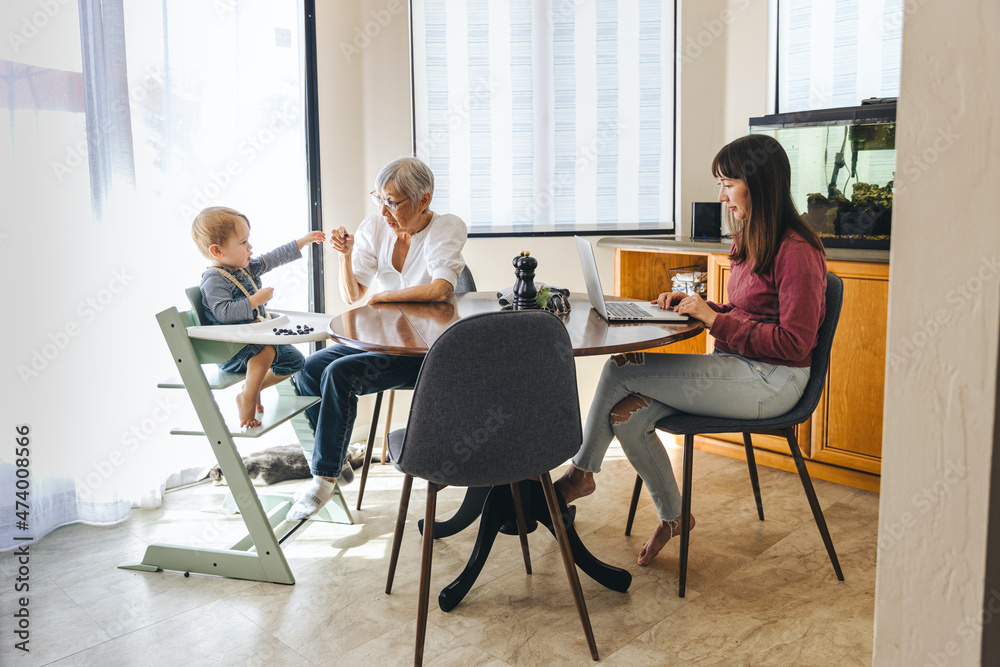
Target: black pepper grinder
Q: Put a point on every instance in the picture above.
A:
(524, 287)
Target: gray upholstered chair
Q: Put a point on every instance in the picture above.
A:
(466, 283)
(495, 403)
(691, 425)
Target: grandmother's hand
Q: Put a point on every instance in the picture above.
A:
(341, 241)
(379, 297)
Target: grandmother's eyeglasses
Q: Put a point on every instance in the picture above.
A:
(389, 204)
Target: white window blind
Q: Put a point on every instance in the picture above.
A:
(547, 116)
(835, 53)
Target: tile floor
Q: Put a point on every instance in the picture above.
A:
(758, 593)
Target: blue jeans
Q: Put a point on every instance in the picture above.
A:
(287, 359)
(338, 375)
(713, 385)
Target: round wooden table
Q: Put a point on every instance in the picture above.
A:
(409, 329)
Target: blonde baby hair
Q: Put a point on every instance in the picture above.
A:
(213, 226)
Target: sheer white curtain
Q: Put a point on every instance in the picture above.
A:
(835, 53)
(56, 294)
(547, 115)
(213, 104)
(105, 85)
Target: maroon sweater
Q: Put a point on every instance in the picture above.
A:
(775, 317)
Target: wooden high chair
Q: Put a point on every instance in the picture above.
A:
(258, 555)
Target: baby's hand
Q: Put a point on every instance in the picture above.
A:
(261, 296)
(311, 237)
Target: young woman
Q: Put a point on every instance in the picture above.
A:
(764, 337)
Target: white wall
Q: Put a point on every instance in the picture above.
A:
(723, 66)
(342, 174)
(944, 310)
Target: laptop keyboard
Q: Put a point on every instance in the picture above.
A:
(625, 309)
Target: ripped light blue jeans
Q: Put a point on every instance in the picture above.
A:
(714, 385)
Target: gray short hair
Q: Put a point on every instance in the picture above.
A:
(411, 177)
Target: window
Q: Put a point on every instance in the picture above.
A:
(547, 117)
(835, 53)
(184, 105)
(217, 92)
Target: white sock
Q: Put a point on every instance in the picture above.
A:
(309, 501)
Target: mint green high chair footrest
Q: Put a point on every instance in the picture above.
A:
(277, 410)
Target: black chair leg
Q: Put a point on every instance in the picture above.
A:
(813, 501)
(752, 466)
(397, 537)
(686, 511)
(425, 573)
(522, 526)
(635, 503)
(562, 537)
(370, 448)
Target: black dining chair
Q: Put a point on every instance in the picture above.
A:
(466, 283)
(495, 403)
(691, 425)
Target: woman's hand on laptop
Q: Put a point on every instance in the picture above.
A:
(669, 300)
(695, 307)
(691, 305)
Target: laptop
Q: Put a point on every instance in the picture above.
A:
(617, 311)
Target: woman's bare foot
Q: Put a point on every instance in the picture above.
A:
(575, 484)
(248, 409)
(659, 539)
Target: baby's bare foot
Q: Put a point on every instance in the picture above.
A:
(664, 531)
(247, 406)
(260, 406)
(575, 484)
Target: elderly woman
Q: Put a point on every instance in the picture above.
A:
(413, 254)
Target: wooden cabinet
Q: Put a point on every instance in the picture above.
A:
(847, 429)
(843, 440)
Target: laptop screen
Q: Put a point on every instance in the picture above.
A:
(589, 265)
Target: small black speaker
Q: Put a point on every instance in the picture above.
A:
(706, 221)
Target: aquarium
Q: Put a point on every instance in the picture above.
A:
(843, 163)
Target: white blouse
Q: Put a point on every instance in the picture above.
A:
(435, 252)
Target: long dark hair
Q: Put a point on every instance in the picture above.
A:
(761, 163)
